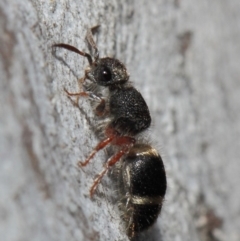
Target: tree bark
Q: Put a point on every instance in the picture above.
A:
(183, 57)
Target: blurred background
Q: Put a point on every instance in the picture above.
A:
(184, 58)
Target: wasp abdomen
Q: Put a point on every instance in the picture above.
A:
(143, 181)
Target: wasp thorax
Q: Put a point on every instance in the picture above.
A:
(108, 71)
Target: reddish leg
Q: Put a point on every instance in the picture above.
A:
(110, 133)
(127, 142)
(110, 163)
(81, 81)
(101, 108)
(112, 137)
(78, 95)
(100, 146)
(85, 94)
(123, 141)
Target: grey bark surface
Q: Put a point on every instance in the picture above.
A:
(183, 56)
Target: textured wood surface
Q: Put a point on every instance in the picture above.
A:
(183, 56)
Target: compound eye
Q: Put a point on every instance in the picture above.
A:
(106, 75)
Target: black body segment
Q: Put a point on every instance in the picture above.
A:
(147, 175)
(143, 216)
(129, 110)
(143, 182)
